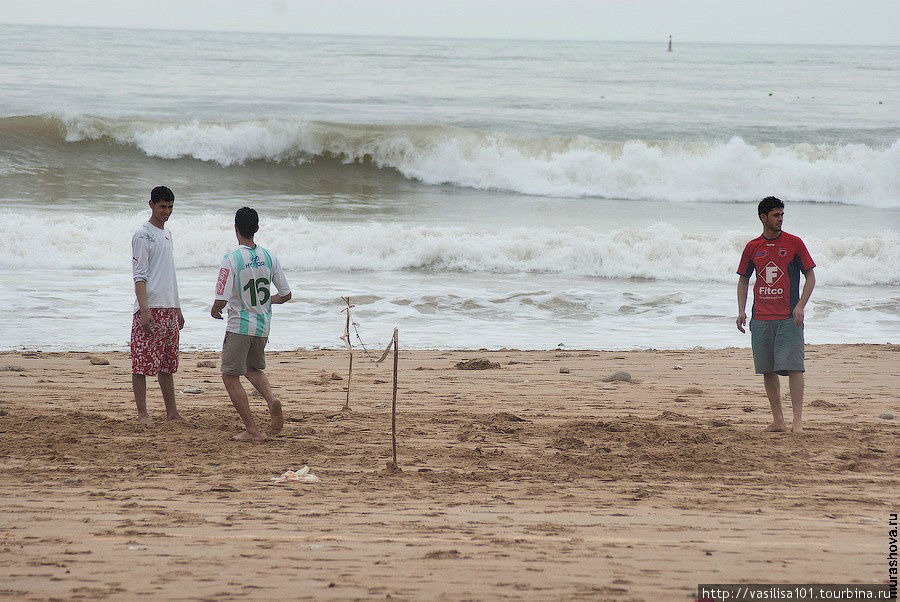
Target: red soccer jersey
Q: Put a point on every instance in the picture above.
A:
(778, 263)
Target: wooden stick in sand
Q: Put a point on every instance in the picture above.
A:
(393, 466)
(346, 339)
(394, 401)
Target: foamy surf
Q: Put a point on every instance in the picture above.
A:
(580, 166)
(659, 251)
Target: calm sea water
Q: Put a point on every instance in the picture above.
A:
(473, 193)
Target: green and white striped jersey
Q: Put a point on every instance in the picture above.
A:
(245, 279)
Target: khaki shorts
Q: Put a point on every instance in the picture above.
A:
(242, 351)
(777, 346)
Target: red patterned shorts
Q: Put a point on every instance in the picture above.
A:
(156, 352)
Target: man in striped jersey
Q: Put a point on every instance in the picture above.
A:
(243, 286)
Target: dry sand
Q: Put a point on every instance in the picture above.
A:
(518, 482)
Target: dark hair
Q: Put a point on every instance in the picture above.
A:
(161, 193)
(247, 221)
(769, 203)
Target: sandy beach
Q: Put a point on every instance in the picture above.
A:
(534, 480)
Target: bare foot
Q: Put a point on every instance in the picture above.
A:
(277, 417)
(776, 427)
(248, 436)
(797, 428)
(145, 419)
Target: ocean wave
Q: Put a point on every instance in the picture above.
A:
(579, 166)
(67, 240)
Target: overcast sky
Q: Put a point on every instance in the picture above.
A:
(753, 21)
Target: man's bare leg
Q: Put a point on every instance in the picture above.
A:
(796, 383)
(139, 385)
(260, 381)
(242, 405)
(773, 391)
(167, 386)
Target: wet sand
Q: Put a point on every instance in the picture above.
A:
(517, 482)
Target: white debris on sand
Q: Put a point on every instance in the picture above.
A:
(302, 475)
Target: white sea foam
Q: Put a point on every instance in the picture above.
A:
(563, 167)
(660, 251)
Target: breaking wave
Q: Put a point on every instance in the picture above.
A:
(66, 240)
(579, 166)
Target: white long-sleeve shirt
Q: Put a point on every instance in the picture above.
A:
(153, 262)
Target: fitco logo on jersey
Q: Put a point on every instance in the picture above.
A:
(771, 274)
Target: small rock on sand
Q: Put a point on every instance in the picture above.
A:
(619, 377)
(505, 417)
(677, 367)
(207, 364)
(692, 391)
(568, 443)
(477, 364)
(192, 390)
(564, 371)
(325, 376)
(13, 368)
(821, 403)
(98, 360)
(443, 555)
(886, 416)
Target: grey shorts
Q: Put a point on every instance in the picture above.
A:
(242, 351)
(777, 346)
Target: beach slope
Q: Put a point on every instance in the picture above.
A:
(540, 479)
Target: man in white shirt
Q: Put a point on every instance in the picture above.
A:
(243, 285)
(157, 317)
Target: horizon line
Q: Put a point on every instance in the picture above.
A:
(662, 40)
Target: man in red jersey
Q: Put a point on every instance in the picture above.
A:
(776, 325)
